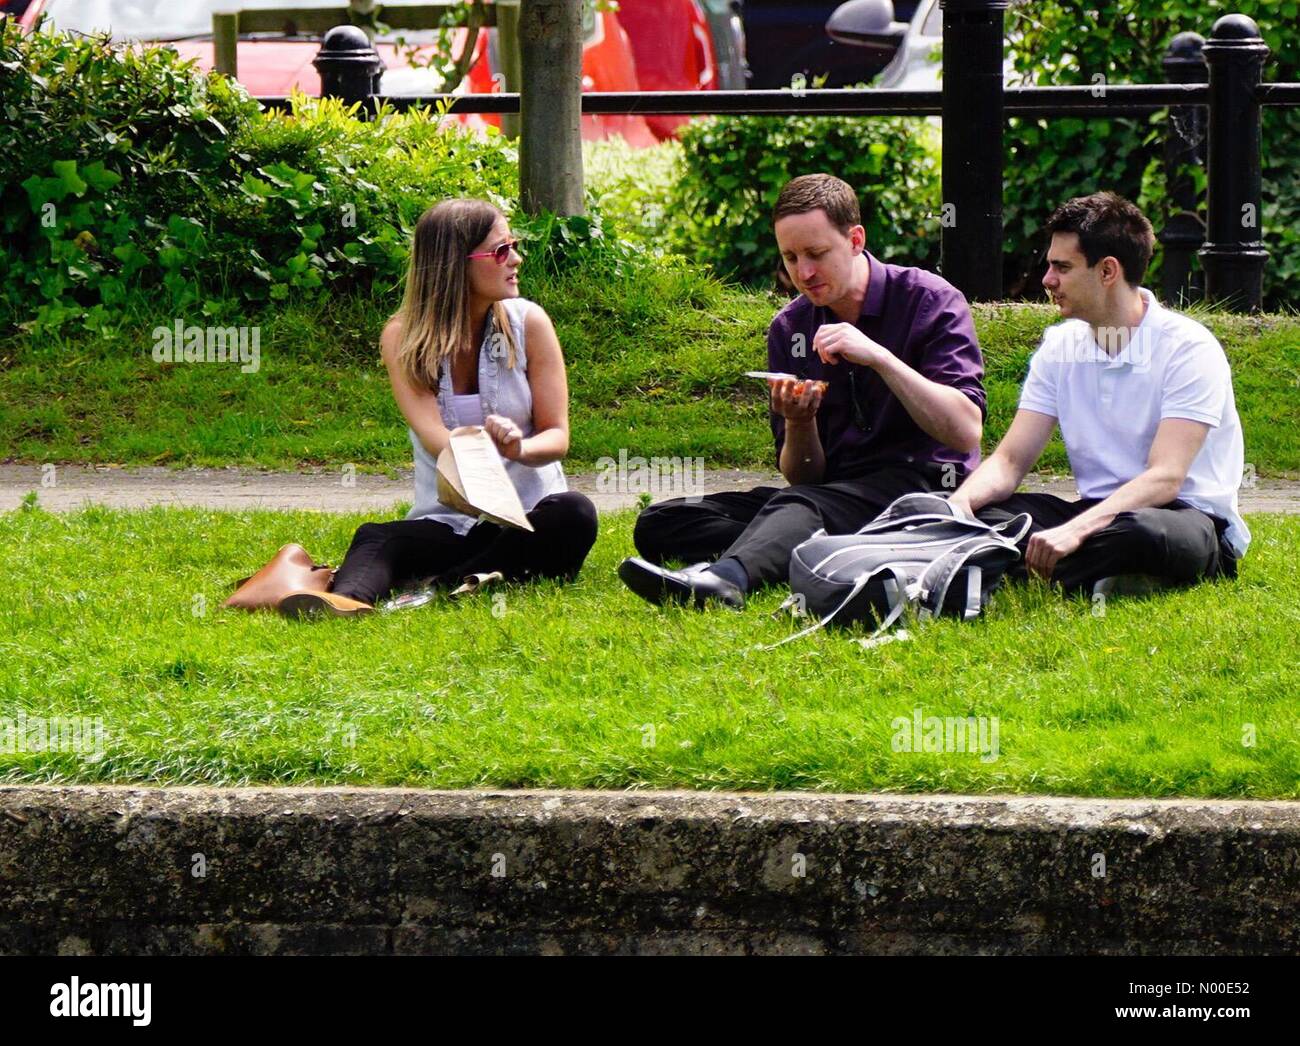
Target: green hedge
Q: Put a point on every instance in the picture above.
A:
(139, 173)
(734, 168)
(132, 178)
(1049, 161)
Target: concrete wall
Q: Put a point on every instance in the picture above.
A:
(115, 871)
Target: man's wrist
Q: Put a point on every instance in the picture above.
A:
(1083, 529)
(881, 360)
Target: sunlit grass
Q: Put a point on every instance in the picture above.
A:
(655, 366)
(117, 615)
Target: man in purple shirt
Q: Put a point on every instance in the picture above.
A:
(889, 399)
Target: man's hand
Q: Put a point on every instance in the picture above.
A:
(843, 341)
(961, 506)
(507, 436)
(1048, 546)
(797, 400)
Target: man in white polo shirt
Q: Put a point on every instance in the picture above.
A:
(1144, 399)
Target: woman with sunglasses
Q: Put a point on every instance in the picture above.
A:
(466, 349)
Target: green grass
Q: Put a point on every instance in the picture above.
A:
(654, 367)
(116, 614)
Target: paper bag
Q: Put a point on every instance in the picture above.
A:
(472, 479)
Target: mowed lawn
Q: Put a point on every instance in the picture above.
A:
(655, 367)
(116, 615)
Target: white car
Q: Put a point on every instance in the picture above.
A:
(917, 63)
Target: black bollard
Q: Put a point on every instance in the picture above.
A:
(349, 66)
(1184, 231)
(973, 123)
(1234, 254)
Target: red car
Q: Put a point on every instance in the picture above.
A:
(658, 45)
(673, 50)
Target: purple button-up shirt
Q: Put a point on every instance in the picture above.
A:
(923, 320)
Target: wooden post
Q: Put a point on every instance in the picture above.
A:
(225, 42)
(550, 106)
(508, 51)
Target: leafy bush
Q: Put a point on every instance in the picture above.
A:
(631, 187)
(734, 168)
(1049, 161)
(328, 198)
(95, 140)
(137, 172)
(557, 244)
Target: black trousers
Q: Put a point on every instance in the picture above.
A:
(761, 527)
(1177, 543)
(385, 556)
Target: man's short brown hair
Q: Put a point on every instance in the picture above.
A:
(825, 192)
(1108, 226)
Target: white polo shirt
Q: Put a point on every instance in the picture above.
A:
(1109, 407)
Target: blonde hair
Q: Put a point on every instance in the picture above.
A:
(435, 307)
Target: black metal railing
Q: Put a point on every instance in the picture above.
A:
(1113, 100)
(1215, 98)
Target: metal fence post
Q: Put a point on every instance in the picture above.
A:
(971, 218)
(1234, 254)
(1184, 231)
(349, 66)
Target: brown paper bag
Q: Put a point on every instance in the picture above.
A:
(472, 479)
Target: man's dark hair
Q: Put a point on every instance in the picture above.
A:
(812, 192)
(1107, 226)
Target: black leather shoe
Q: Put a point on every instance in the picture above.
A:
(691, 585)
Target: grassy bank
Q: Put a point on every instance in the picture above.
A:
(654, 367)
(1186, 693)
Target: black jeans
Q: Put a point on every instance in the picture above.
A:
(761, 527)
(384, 556)
(1177, 543)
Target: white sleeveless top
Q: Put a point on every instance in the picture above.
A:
(501, 390)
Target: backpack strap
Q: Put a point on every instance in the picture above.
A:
(948, 568)
(896, 588)
(918, 503)
(945, 569)
(1020, 524)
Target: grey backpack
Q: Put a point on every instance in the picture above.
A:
(917, 553)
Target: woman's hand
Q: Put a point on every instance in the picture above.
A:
(507, 436)
(797, 400)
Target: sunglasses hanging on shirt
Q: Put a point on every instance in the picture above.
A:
(857, 394)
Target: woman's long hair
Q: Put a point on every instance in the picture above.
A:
(435, 308)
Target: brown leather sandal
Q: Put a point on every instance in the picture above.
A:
(303, 604)
(290, 570)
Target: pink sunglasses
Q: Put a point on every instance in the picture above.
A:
(500, 254)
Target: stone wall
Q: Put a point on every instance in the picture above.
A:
(89, 870)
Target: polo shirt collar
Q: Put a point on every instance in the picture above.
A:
(1137, 352)
(874, 303)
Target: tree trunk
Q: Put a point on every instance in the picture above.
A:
(550, 116)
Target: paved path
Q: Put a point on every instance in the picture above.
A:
(70, 487)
